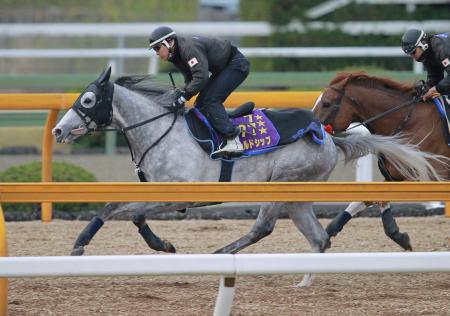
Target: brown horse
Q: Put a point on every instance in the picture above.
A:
(384, 107)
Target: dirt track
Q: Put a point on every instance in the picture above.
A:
(331, 294)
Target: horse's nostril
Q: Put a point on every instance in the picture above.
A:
(56, 131)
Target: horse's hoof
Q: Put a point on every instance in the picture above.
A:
(402, 239)
(169, 247)
(79, 251)
(306, 281)
(325, 245)
(405, 242)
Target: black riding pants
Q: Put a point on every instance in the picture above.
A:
(219, 87)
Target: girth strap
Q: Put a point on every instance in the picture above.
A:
(226, 170)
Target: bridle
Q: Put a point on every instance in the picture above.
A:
(101, 113)
(337, 105)
(89, 115)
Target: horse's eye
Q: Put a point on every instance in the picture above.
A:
(326, 104)
(88, 100)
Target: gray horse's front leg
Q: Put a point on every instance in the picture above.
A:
(93, 227)
(263, 226)
(153, 241)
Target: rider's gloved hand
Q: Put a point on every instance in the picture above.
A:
(179, 101)
(421, 88)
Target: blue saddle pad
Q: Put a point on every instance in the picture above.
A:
(261, 130)
(443, 106)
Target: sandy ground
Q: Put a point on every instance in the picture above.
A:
(331, 294)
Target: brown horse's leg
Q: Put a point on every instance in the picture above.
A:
(338, 223)
(392, 231)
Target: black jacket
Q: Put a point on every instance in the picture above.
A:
(437, 62)
(198, 56)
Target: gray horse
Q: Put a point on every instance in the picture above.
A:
(163, 150)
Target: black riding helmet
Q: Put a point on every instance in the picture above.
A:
(159, 35)
(412, 39)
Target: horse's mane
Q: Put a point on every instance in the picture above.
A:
(362, 79)
(146, 86)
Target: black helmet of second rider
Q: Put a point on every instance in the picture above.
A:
(413, 39)
(162, 35)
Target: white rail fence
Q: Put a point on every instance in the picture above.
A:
(117, 54)
(217, 28)
(226, 265)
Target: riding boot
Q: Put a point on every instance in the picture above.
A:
(336, 225)
(233, 147)
(392, 231)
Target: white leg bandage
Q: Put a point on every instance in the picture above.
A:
(384, 206)
(355, 207)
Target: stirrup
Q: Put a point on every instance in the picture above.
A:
(221, 152)
(227, 154)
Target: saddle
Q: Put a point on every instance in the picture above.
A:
(262, 130)
(443, 106)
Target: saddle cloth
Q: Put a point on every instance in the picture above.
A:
(262, 130)
(443, 105)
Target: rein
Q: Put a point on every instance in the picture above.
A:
(376, 117)
(128, 128)
(385, 113)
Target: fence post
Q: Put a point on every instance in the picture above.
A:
(364, 172)
(225, 296)
(47, 151)
(153, 64)
(3, 253)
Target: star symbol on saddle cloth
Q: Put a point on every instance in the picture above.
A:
(258, 117)
(261, 123)
(263, 130)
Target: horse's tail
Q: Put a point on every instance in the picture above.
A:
(413, 164)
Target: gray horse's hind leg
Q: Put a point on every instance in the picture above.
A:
(263, 226)
(392, 231)
(306, 222)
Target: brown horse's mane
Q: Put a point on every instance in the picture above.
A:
(362, 79)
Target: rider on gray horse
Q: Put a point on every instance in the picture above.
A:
(195, 58)
(434, 52)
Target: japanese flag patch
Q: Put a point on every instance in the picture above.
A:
(192, 62)
(445, 62)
